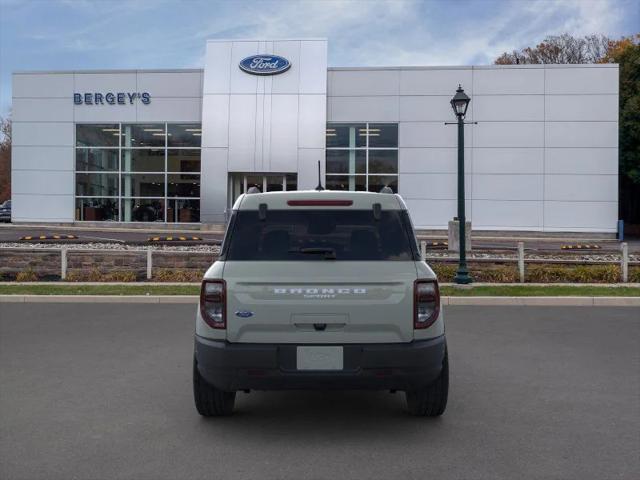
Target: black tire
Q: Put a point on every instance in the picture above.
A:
(432, 400)
(211, 402)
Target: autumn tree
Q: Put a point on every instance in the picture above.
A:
(626, 53)
(560, 49)
(600, 49)
(5, 159)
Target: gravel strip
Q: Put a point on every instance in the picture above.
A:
(113, 246)
(602, 257)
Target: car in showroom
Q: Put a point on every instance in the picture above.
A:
(320, 290)
(5, 211)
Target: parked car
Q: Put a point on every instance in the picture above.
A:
(320, 290)
(5, 211)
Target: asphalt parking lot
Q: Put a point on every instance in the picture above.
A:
(104, 391)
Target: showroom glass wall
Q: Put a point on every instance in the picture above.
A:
(362, 156)
(138, 172)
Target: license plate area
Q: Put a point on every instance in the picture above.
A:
(320, 358)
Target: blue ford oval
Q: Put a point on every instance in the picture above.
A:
(244, 314)
(265, 64)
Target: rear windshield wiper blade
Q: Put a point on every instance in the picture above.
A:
(329, 253)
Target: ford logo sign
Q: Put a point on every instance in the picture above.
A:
(244, 314)
(265, 64)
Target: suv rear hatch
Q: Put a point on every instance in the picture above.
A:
(309, 275)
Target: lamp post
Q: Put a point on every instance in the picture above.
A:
(459, 103)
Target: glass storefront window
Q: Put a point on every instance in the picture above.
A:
(139, 166)
(383, 161)
(346, 161)
(143, 135)
(143, 160)
(143, 209)
(358, 154)
(184, 135)
(292, 181)
(378, 182)
(347, 182)
(183, 211)
(383, 135)
(143, 185)
(181, 185)
(96, 160)
(97, 184)
(346, 135)
(183, 161)
(96, 209)
(97, 135)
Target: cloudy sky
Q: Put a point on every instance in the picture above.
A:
(104, 34)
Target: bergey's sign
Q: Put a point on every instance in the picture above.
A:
(110, 98)
(265, 64)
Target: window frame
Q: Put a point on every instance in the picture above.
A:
(121, 173)
(366, 148)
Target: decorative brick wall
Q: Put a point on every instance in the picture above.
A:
(105, 262)
(183, 261)
(46, 264)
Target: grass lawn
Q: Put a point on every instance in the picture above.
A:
(541, 291)
(497, 290)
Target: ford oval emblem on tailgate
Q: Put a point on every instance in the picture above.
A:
(265, 64)
(244, 314)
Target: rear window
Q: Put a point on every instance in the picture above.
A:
(319, 235)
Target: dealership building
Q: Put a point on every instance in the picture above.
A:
(179, 146)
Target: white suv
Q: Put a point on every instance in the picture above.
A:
(320, 290)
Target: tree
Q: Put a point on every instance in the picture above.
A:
(626, 53)
(5, 159)
(600, 49)
(560, 49)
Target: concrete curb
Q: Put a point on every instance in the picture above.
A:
(99, 299)
(442, 284)
(453, 301)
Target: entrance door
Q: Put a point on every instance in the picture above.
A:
(239, 183)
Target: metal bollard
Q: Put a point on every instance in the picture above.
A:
(149, 262)
(521, 261)
(63, 263)
(625, 262)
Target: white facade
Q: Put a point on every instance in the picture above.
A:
(543, 155)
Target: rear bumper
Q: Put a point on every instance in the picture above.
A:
(400, 366)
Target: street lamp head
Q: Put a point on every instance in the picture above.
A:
(460, 102)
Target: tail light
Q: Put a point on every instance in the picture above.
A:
(426, 303)
(213, 303)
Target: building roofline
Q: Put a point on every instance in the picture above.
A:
(480, 67)
(102, 70)
(226, 40)
(336, 69)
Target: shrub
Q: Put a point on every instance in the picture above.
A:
(572, 273)
(171, 275)
(634, 274)
(485, 272)
(538, 273)
(26, 276)
(444, 271)
(95, 275)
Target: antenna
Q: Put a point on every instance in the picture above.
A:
(319, 187)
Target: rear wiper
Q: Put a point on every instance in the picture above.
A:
(329, 253)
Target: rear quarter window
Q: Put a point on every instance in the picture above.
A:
(289, 235)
